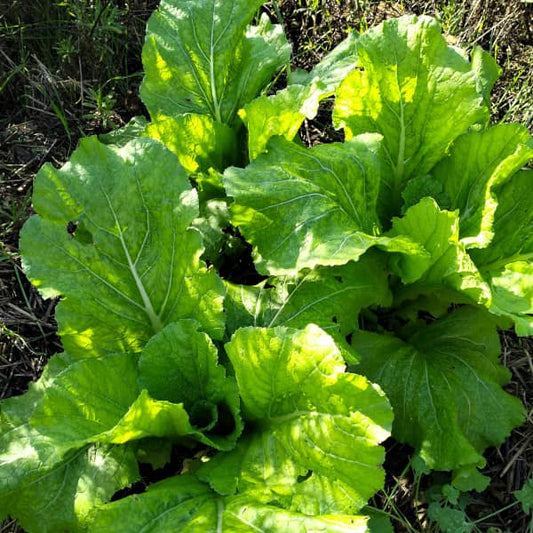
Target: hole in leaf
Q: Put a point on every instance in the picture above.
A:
(71, 227)
(78, 231)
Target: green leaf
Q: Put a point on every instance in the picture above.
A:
(241, 514)
(184, 504)
(180, 503)
(114, 222)
(133, 129)
(421, 186)
(155, 452)
(477, 163)
(280, 114)
(319, 428)
(487, 72)
(147, 417)
(98, 399)
(334, 66)
(448, 264)
(87, 399)
(413, 89)
(23, 450)
(309, 460)
(330, 297)
(513, 295)
(525, 496)
(507, 262)
(180, 365)
(61, 497)
(199, 57)
(467, 479)
(284, 112)
(199, 142)
(450, 520)
(445, 386)
(513, 226)
(301, 208)
(46, 485)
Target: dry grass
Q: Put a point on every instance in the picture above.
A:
(45, 112)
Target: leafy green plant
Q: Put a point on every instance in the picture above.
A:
(382, 268)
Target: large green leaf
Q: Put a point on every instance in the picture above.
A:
(180, 365)
(199, 141)
(61, 497)
(280, 114)
(448, 265)
(112, 236)
(301, 208)
(310, 457)
(184, 504)
(513, 225)
(87, 399)
(180, 503)
(99, 399)
(317, 427)
(44, 484)
(284, 112)
(444, 382)
(507, 263)
(23, 450)
(477, 163)
(199, 57)
(416, 91)
(330, 297)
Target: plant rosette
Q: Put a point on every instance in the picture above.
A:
(383, 267)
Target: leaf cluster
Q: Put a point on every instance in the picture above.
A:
(382, 268)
